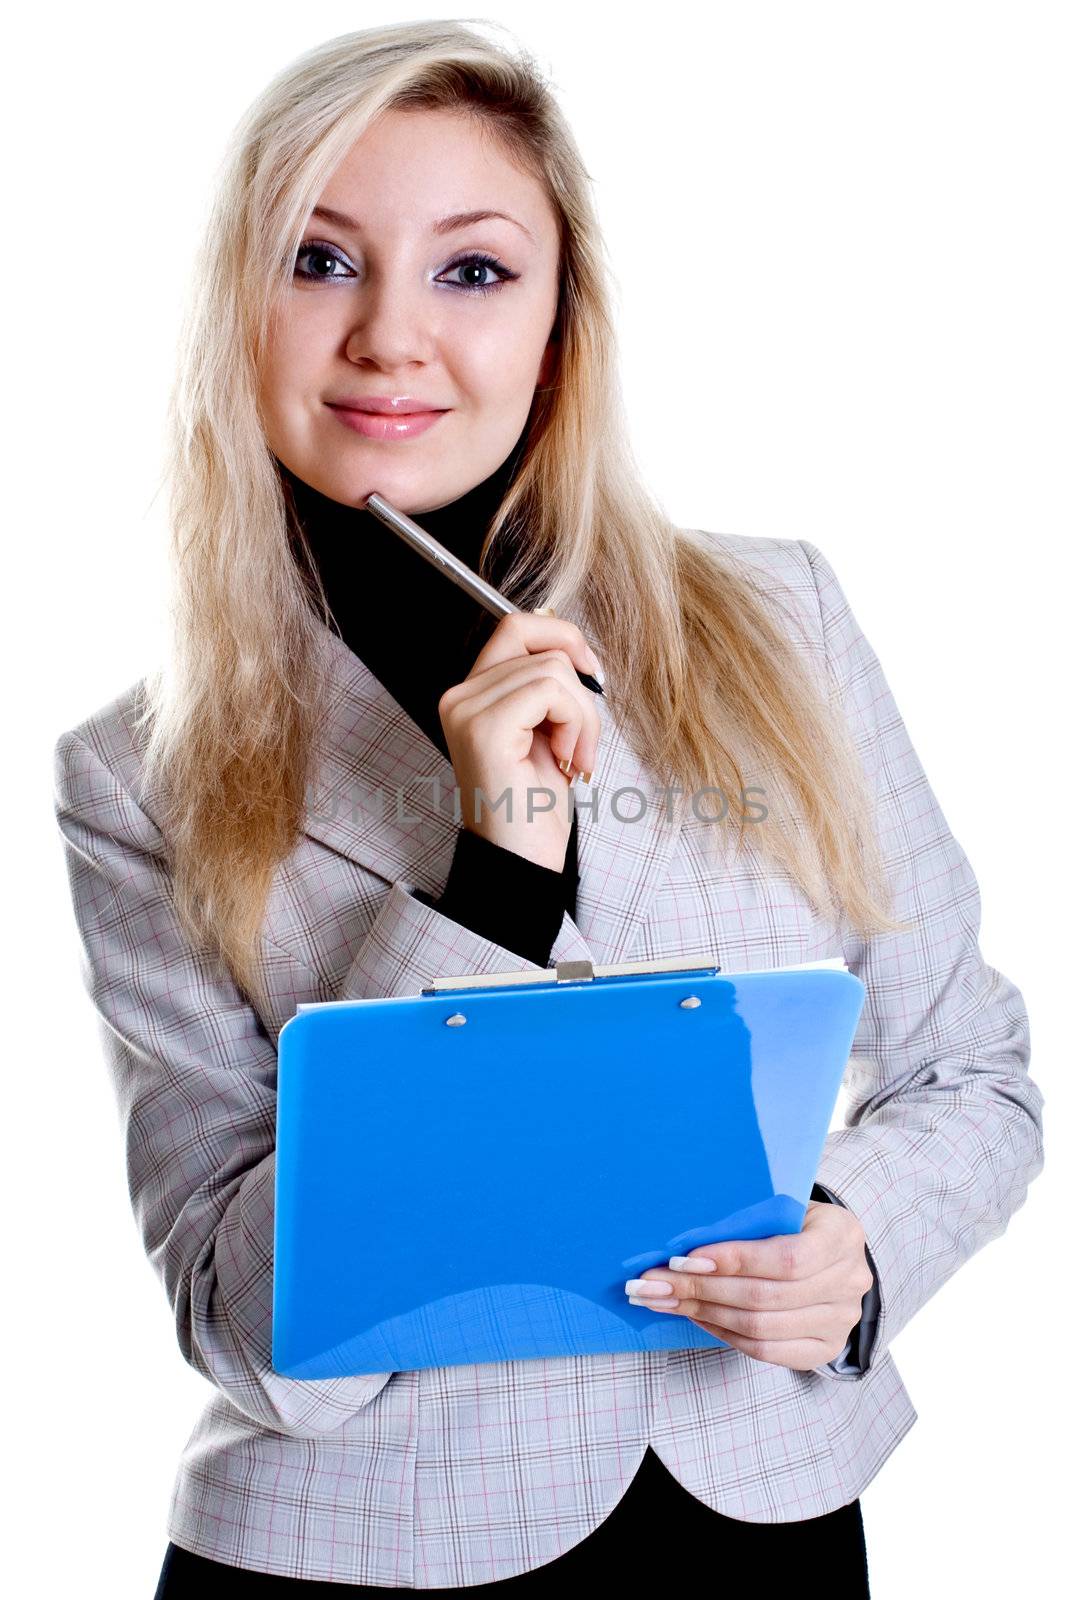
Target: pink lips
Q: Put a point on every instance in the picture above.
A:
(372, 425)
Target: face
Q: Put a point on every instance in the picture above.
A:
(385, 305)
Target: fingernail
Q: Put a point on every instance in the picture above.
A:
(564, 767)
(691, 1264)
(650, 1286)
(651, 1305)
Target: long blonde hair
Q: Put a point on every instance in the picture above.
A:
(706, 681)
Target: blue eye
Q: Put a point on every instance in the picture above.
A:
(475, 259)
(321, 252)
(324, 254)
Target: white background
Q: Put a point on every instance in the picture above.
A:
(839, 234)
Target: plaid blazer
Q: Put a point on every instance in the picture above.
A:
(464, 1475)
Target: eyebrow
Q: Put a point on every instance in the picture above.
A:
(459, 219)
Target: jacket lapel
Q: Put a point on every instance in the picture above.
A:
(385, 796)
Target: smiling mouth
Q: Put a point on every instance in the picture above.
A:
(380, 425)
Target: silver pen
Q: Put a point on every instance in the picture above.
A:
(433, 550)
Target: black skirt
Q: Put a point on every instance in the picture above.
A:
(657, 1531)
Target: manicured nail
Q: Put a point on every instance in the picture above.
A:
(564, 767)
(651, 1305)
(650, 1286)
(691, 1264)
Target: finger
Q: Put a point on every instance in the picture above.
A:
(515, 706)
(572, 737)
(773, 1294)
(837, 1240)
(793, 1256)
(800, 1354)
(822, 1322)
(795, 1348)
(526, 632)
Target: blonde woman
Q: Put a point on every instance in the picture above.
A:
(403, 289)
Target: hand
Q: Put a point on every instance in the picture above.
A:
(520, 716)
(791, 1300)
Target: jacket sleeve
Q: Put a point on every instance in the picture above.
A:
(195, 1076)
(943, 1124)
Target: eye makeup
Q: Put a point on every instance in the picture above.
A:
(472, 258)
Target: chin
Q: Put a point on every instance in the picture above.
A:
(408, 499)
(413, 487)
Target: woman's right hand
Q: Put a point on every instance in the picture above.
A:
(520, 715)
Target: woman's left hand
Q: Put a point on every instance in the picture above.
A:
(792, 1299)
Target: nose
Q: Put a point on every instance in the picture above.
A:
(394, 324)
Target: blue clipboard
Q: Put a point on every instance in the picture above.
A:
(473, 1172)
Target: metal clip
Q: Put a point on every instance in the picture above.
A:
(574, 971)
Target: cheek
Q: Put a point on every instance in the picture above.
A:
(305, 336)
(496, 362)
(294, 372)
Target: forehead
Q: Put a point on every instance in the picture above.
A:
(412, 168)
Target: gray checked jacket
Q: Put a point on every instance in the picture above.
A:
(465, 1475)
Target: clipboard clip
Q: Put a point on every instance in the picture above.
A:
(566, 972)
(574, 971)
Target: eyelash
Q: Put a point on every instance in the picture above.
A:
(472, 257)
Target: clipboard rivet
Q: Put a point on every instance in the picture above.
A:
(690, 1002)
(456, 1020)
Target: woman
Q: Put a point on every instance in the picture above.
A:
(228, 859)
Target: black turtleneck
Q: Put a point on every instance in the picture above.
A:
(497, 893)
